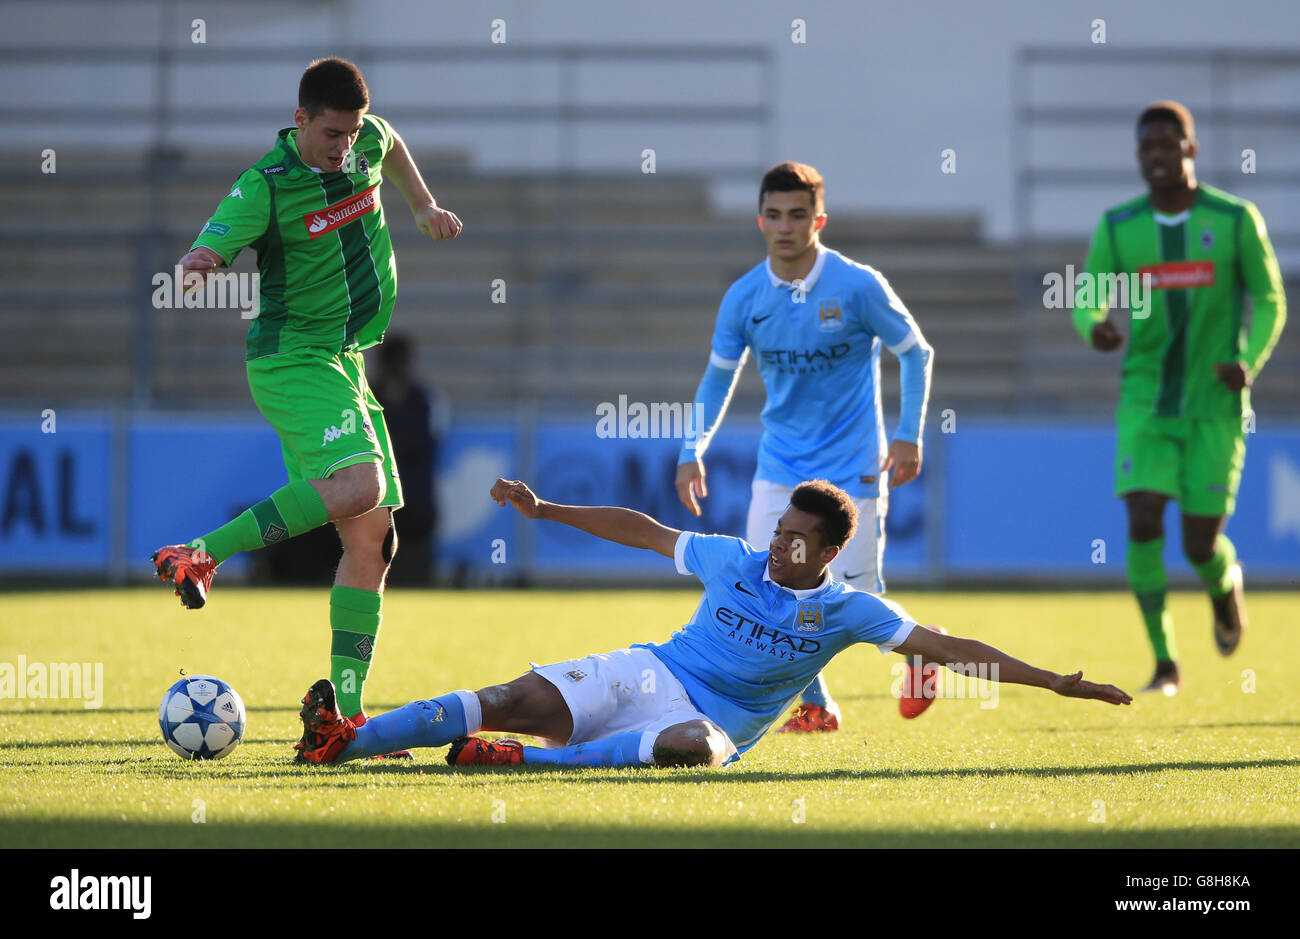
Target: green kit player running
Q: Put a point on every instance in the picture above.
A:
(311, 210)
(1185, 390)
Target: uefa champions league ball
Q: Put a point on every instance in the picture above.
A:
(201, 718)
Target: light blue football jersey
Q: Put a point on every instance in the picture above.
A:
(817, 348)
(752, 645)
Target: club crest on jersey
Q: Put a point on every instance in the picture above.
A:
(323, 221)
(808, 616)
(829, 317)
(1207, 238)
(576, 675)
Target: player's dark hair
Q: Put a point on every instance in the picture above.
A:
(837, 515)
(332, 83)
(794, 177)
(1170, 112)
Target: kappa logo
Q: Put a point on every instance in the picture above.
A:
(333, 433)
(237, 192)
(272, 170)
(274, 533)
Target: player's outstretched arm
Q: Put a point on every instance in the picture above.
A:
(622, 526)
(959, 654)
(433, 221)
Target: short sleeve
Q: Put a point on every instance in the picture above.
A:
(729, 340)
(886, 315)
(883, 623)
(382, 130)
(241, 217)
(706, 555)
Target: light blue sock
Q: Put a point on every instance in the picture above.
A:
(817, 692)
(618, 750)
(434, 723)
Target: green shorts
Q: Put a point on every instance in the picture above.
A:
(1196, 461)
(325, 414)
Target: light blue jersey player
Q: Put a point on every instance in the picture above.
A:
(767, 623)
(815, 321)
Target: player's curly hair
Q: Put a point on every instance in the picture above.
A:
(794, 177)
(1170, 111)
(332, 83)
(834, 508)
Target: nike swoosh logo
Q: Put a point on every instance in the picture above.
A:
(743, 590)
(759, 319)
(854, 576)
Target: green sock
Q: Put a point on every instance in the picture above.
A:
(289, 511)
(1146, 577)
(354, 616)
(1214, 572)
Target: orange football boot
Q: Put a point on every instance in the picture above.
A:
(325, 732)
(475, 751)
(189, 570)
(810, 718)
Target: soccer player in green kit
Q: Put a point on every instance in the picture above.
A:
(310, 208)
(1189, 366)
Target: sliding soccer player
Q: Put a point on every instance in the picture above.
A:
(768, 622)
(311, 210)
(815, 321)
(1185, 393)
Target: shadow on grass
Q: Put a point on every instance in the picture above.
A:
(349, 773)
(481, 833)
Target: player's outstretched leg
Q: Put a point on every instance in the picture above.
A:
(290, 510)
(329, 737)
(690, 743)
(816, 712)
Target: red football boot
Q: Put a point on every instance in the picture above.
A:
(325, 732)
(810, 718)
(475, 751)
(189, 570)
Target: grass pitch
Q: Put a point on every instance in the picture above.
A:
(1216, 766)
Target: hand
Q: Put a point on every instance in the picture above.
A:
(517, 494)
(1232, 374)
(905, 459)
(1073, 686)
(437, 223)
(196, 266)
(1105, 337)
(690, 480)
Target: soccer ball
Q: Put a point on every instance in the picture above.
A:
(201, 718)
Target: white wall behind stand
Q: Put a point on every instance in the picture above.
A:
(873, 97)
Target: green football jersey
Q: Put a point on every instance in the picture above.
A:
(1200, 264)
(325, 260)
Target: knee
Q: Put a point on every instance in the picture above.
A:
(497, 704)
(1197, 547)
(1145, 524)
(691, 744)
(361, 491)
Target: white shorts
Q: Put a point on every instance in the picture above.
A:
(860, 562)
(623, 691)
